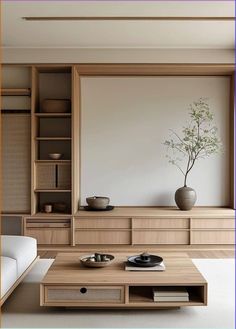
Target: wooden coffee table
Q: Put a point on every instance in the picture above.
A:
(69, 284)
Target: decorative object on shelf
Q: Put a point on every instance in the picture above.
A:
(47, 208)
(56, 105)
(145, 260)
(199, 140)
(60, 207)
(98, 202)
(97, 260)
(55, 156)
(108, 208)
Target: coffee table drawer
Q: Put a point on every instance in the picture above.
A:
(84, 294)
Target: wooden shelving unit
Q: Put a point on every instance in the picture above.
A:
(51, 134)
(122, 227)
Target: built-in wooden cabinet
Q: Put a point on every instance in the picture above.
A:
(49, 230)
(153, 226)
(32, 179)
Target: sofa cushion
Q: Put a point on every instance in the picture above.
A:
(21, 248)
(8, 274)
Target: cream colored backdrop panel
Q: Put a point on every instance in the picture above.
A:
(125, 121)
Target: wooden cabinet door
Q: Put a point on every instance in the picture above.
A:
(16, 163)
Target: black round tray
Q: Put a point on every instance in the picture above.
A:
(87, 208)
(136, 261)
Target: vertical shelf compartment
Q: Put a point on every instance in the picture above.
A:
(52, 134)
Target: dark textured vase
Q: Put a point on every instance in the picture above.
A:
(185, 198)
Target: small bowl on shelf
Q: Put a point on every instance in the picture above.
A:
(97, 260)
(98, 202)
(55, 156)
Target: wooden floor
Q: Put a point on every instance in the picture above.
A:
(191, 254)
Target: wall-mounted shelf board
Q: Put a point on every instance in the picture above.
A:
(53, 161)
(53, 138)
(15, 92)
(52, 190)
(51, 115)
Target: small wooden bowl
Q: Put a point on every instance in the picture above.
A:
(85, 260)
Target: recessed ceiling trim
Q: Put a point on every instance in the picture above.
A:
(128, 18)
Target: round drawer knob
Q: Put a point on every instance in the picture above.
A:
(83, 290)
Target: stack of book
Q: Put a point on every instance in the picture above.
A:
(170, 294)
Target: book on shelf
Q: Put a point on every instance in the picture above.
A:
(159, 268)
(170, 291)
(170, 294)
(171, 299)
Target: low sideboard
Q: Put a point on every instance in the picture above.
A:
(131, 226)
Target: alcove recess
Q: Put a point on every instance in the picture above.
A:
(51, 134)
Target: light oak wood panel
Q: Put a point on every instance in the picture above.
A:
(160, 237)
(161, 212)
(154, 69)
(67, 272)
(76, 142)
(179, 271)
(34, 146)
(16, 163)
(45, 176)
(102, 237)
(84, 294)
(49, 235)
(213, 237)
(232, 142)
(160, 223)
(64, 176)
(101, 223)
(15, 92)
(206, 223)
(18, 281)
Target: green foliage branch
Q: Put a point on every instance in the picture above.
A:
(199, 139)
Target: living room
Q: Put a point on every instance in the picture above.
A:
(118, 164)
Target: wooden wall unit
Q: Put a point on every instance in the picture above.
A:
(59, 180)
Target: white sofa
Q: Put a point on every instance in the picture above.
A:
(18, 254)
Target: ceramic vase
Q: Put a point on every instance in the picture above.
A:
(185, 198)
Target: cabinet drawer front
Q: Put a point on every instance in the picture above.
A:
(213, 237)
(49, 235)
(102, 237)
(89, 294)
(219, 223)
(160, 223)
(28, 225)
(93, 223)
(161, 237)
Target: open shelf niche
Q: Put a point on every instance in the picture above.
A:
(52, 134)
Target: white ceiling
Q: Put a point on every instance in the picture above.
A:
(117, 34)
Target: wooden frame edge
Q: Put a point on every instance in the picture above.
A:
(18, 281)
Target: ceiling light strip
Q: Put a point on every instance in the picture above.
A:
(126, 18)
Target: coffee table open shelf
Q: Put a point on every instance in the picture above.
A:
(69, 284)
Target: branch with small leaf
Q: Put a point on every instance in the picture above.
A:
(198, 139)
